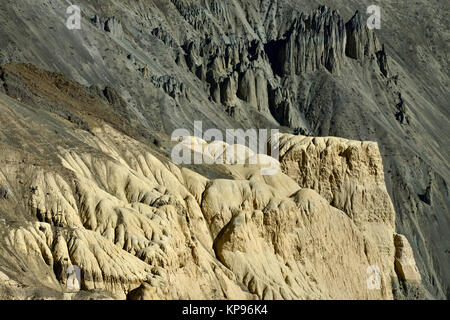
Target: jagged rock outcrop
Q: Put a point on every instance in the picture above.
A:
(110, 24)
(401, 115)
(405, 266)
(259, 74)
(409, 286)
(362, 43)
(313, 41)
(232, 69)
(139, 227)
(350, 176)
(170, 85)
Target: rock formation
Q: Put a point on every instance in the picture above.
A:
(143, 228)
(313, 41)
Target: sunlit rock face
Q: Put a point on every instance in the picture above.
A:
(137, 226)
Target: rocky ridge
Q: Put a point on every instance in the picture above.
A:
(140, 227)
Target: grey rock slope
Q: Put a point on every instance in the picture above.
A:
(296, 65)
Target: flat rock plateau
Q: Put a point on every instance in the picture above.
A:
(360, 205)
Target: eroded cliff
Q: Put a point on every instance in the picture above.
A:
(140, 227)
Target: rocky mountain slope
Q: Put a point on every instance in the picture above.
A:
(139, 227)
(137, 70)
